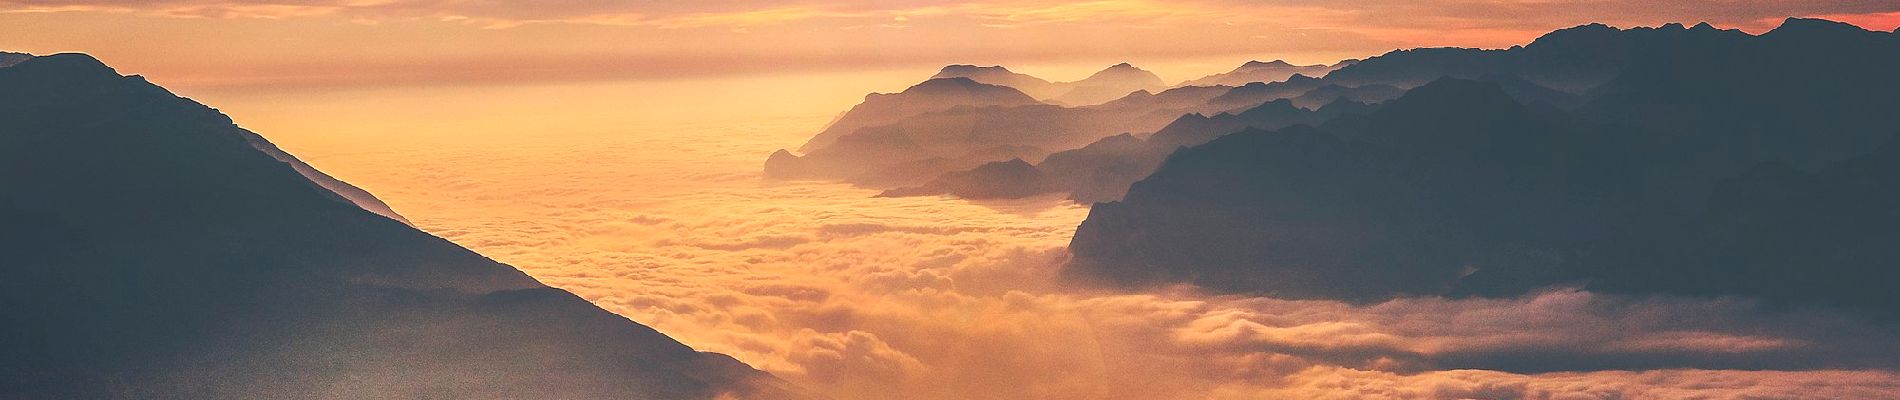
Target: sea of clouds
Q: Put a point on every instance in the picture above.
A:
(933, 298)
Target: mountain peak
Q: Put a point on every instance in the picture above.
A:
(1585, 33)
(1259, 64)
(67, 64)
(7, 58)
(951, 81)
(1796, 25)
(968, 68)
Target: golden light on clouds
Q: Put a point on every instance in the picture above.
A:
(664, 218)
(613, 149)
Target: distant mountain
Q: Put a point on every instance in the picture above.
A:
(1574, 59)
(1111, 83)
(1264, 72)
(1594, 72)
(1322, 95)
(1701, 162)
(1108, 84)
(937, 94)
(997, 75)
(912, 150)
(7, 59)
(155, 250)
(975, 184)
(1103, 170)
(1256, 93)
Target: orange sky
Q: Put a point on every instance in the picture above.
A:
(613, 149)
(282, 44)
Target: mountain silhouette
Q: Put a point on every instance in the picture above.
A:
(1108, 84)
(912, 150)
(937, 94)
(1264, 72)
(998, 75)
(1103, 170)
(1702, 162)
(156, 250)
(1024, 181)
(7, 59)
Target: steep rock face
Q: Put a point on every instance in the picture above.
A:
(938, 94)
(155, 250)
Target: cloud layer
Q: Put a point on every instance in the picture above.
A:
(933, 298)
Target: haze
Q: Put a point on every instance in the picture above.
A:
(613, 149)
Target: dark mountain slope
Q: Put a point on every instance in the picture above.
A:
(1402, 204)
(152, 250)
(1574, 59)
(1457, 189)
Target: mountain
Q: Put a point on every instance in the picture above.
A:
(974, 184)
(1252, 94)
(156, 250)
(912, 150)
(1573, 60)
(7, 59)
(1323, 95)
(1364, 215)
(997, 75)
(1109, 84)
(1264, 72)
(937, 94)
(1103, 170)
(1703, 162)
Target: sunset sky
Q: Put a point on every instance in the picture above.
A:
(279, 44)
(613, 148)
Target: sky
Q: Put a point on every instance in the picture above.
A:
(281, 44)
(613, 149)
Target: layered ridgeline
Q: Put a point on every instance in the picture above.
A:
(1108, 84)
(941, 151)
(1271, 71)
(1699, 162)
(152, 249)
(1558, 70)
(967, 116)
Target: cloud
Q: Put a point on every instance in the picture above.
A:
(932, 298)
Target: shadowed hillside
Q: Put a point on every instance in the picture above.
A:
(152, 249)
(1703, 162)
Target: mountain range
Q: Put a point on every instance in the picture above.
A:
(1108, 84)
(1672, 160)
(154, 249)
(1271, 71)
(879, 144)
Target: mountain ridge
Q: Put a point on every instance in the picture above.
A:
(157, 250)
